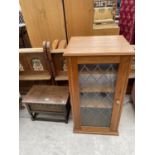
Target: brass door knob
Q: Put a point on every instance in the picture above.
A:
(118, 102)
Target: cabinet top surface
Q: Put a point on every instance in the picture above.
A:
(98, 46)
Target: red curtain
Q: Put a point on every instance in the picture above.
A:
(127, 20)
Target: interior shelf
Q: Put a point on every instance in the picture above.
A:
(96, 89)
(97, 78)
(97, 72)
(96, 100)
(97, 83)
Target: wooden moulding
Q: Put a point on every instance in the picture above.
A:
(57, 51)
(98, 59)
(31, 50)
(95, 130)
(31, 77)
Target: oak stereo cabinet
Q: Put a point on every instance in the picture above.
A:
(98, 70)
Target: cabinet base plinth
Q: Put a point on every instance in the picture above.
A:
(99, 131)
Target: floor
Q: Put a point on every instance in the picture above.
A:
(51, 138)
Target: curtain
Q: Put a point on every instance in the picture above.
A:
(127, 20)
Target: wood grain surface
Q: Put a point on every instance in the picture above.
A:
(79, 17)
(98, 45)
(44, 20)
(46, 94)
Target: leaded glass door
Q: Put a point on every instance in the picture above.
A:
(98, 69)
(96, 93)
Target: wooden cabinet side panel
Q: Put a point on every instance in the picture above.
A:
(121, 85)
(79, 17)
(74, 91)
(44, 20)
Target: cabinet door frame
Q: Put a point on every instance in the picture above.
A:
(124, 63)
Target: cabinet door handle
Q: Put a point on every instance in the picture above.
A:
(118, 102)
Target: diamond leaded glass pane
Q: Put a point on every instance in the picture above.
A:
(97, 86)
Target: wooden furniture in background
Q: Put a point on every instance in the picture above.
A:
(104, 11)
(79, 17)
(44, 99)
(98, 69)
(62, 19)
(34, 68)
(60, 63)
(44, 20)
(84, 18)
(106, 29)
(104, 18)
(54, 55)
(34, 64)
